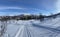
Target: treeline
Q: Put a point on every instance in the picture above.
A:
(27, 17)
(21, 17)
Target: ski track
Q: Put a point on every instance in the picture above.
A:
(19, 31)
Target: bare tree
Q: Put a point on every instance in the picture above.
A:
(3, 28)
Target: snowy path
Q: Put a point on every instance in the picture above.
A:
(35, 30)
(31, 29)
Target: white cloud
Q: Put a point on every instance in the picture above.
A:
(5, 7)
(58, 6)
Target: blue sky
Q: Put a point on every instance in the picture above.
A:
(27, 6)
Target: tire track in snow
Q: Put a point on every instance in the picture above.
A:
(28, 32)
(19, 31)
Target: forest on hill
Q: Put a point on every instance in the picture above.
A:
(28, 17)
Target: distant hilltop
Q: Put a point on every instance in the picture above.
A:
(28, 17)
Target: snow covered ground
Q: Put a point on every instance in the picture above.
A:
(33, 28)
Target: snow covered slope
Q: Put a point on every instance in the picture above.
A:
(50, 27)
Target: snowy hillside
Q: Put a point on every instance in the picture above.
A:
(50, 27)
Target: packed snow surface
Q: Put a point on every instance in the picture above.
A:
(33, 28)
